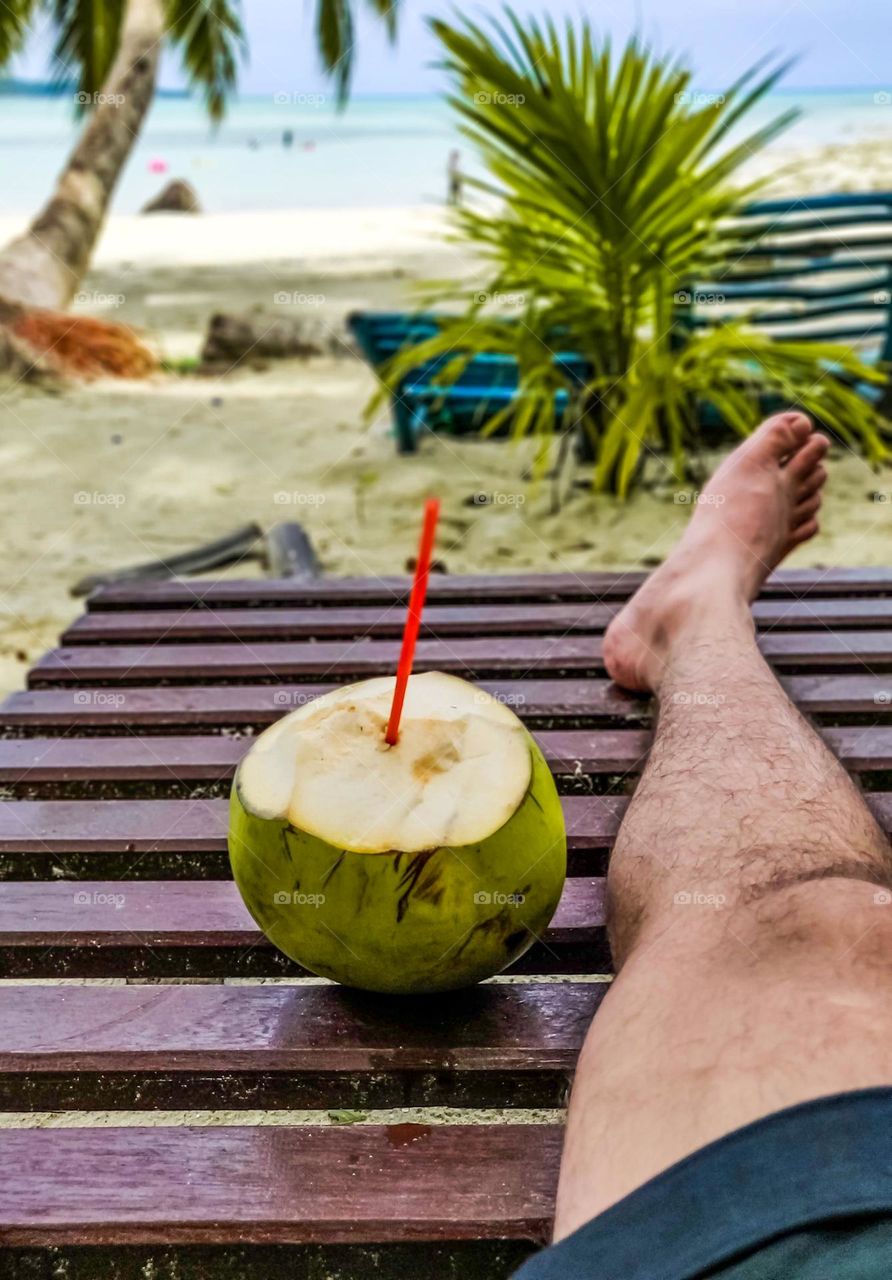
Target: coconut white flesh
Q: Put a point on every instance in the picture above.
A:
(459, 771)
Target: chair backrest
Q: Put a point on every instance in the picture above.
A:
(817, 268)
(381, 334)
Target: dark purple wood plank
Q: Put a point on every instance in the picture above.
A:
(616, 585)
(272, 661)
(815, 612)
(213, 757)
(205, 913)
(173, 625)
(180, 928)
(130, 826)
(284, 1184)
(176, 625)
(140, 664)
(864, 694)
(292, 1028)
(254, 705)
(199, 826)
(64, 1047)
(168, 705)
(857, 649)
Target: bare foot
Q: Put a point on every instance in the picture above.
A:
(760, 504)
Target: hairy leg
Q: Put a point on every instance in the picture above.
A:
(749, 915)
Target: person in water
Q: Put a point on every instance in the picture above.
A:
(732, 1107)
(454, 178)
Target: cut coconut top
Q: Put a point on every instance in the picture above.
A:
(459, 771)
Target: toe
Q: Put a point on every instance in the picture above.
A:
(804, 532)
(807, 458)
(812, 483)
(804, 510)
(780, 436)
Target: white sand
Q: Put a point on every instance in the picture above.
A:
(364, 237)
(110, 474)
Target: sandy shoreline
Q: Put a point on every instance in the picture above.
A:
(367, 236)
(110, 474)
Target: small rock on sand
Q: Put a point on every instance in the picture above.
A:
(177, 197)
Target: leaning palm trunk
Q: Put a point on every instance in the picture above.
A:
(44, 267)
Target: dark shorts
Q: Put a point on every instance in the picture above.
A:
(805, 1194)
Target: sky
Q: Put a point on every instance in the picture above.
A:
(839, 43)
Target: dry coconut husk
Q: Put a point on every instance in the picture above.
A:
(79, 345)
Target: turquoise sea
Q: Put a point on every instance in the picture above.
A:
(379, 151)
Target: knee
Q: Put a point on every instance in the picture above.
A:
(841, 922)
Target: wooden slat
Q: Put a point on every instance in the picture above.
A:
(173, 625)
(186, 839)
(211, 757)
(272, 661)
(278, 1184)
(166, 928)
(288, 1046)
(238, 706)
(140, 664)
(791, 583)
(199, 826)
(209, 913)
(262, 704)
(129, 826)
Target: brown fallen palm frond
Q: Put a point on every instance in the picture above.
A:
(82, 345)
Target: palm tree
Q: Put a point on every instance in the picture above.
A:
(114, 47)
(611, 187)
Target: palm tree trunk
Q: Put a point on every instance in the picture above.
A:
(44, 267)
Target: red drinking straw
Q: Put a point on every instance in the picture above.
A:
(413, 621)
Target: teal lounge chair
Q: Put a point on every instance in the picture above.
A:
(817, 268)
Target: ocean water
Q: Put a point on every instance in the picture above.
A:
(379, 151)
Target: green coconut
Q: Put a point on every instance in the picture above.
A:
(424, 866)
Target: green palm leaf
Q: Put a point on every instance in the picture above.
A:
(86, 40)
(15, 26)
(208, 33)
(211, 40)
(335, 38)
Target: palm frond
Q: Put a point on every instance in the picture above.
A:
(86, 34)
(15, 26)
(335, 36)
(388, 11)
(211, 40)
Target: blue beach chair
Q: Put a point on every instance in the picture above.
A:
(815, 268)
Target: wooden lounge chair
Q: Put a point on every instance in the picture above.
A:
(816, 268)
(115, 765)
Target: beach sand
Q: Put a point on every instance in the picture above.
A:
(109, 474)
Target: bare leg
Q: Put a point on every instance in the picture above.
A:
(748, 914)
